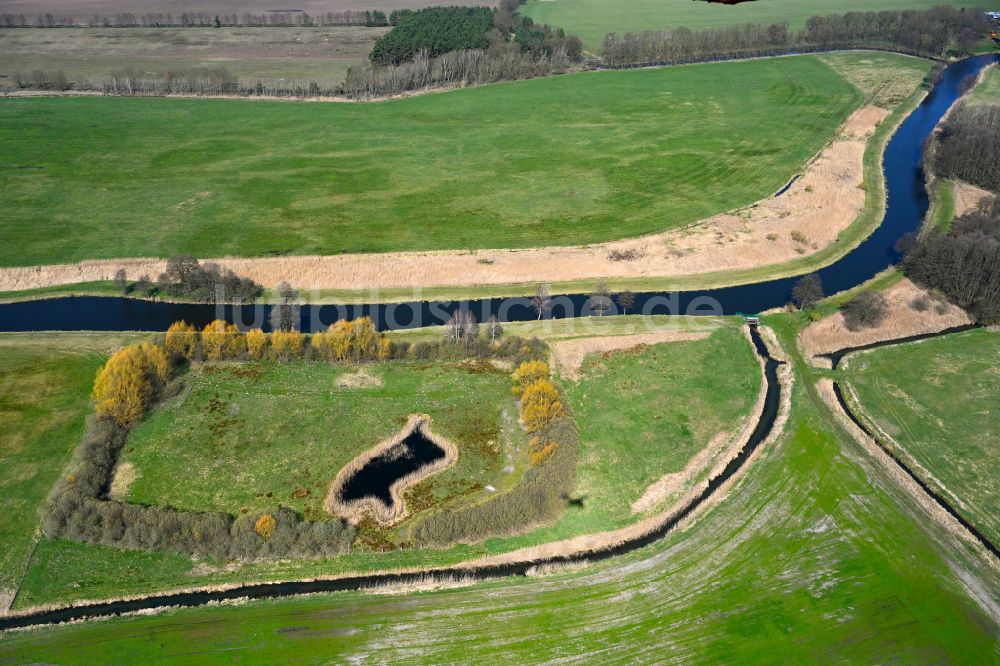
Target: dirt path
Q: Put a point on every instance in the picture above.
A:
(818, 206)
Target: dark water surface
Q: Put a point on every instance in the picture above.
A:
(907, 205)
(378, 474)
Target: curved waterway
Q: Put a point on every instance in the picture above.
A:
(905, 210)
(765, 424)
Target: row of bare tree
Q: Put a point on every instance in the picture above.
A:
(929, 33)
(458, 68)
(196, 20)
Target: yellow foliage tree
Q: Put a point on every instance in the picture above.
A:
(527, 373)
(220, 341)
(256, 344)
(540, 405)
(364, 339)
(264, 527)
(181, 340)
(339, 340)
(320, 344)
(540, 450)
(129, 381)
(384, 348)
(287, 345)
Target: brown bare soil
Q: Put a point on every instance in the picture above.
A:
(125, 475)
(569, 354)
(355, 510)
(361, 379)
(830, 334)
(820, 204)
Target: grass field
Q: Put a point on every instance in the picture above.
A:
(285, 56)
(646, 412)
(44, 398)
(257, 436)
(937, 401)
(816, 556)
(45, 384)
(599, 156)
(591, 20)
(987, 92)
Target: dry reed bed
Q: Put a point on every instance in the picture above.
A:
(822, 203)
(582, 545)
(968, 197)
(353, 511)
(830, 334)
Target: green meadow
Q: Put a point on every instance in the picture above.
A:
(574, 159)
(937, 401)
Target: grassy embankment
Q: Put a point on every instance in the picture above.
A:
(602, 155)
(935, 402)
(651, 437)
(593, 19)
(272, 55)
(816, 555)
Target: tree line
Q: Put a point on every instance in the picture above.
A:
(931, 33)
(963, 264)
(288, 18)
(967, 146)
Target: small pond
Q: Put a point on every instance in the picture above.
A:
(376, 478)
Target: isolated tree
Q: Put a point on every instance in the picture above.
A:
(121, 280)
(144, 286)
(600, 301)
(220, 340)
(493, 329)
(461, 327)
(541, 301)
(265, 525)
(626, 300)
(130, 380)
(287, 345)
(285, 315)
(866, 310)
(808, 291)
